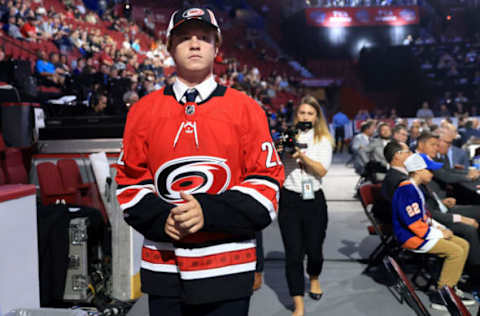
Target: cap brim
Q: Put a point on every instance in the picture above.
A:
(433, 165)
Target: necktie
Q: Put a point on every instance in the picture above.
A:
(191, 95)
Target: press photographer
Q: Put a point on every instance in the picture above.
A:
(307, 154)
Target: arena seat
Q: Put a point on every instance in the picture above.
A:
(51, 187)
(14, 168)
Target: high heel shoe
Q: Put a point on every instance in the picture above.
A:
(315, 296)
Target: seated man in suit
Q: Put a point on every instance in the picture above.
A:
(395, 154)
(461, 219)
(459, 158)
(374, 150)
(464, 182)
(360, 143)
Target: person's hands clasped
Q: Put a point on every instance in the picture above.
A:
(473, 174)
(447, 233)
(185, 219)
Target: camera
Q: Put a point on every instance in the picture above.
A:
(288, 139)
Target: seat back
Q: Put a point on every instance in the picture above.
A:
(14, 168)
(70, 173)
(454, 303)
(51, 186)
(369, 193)
(404, 287)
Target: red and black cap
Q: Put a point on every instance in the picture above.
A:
(200, 14)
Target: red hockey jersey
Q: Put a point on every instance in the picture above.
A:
(220, 151)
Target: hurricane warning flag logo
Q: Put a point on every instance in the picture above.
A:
(199, 174)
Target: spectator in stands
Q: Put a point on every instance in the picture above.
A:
(416, 231)
(374, 150)
(130, 98)
(464, 182)
(459, 110)
(46, 69)
(413, 136)
(12, 28)
(98, 103)
(360, 143)
(471, 130)
(340, 122)
(425, 111)
(400, 133)
(362, 115)
(460, 98)
(457, 157)
(443, 112)
(395, 154)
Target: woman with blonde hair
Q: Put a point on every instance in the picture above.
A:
(303, 210)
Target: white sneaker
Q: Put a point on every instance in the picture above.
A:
(465, 300)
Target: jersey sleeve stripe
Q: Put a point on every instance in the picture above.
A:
(260, 198)
(132, 187)
(137, 197)
(266, 178)
(263, 182)
(227, 270)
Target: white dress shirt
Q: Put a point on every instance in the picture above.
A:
(204, 89)
(320, 151)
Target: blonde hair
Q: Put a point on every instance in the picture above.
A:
(320, 127)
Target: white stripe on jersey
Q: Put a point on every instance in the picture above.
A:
(217, 249)
(168, 268)
(136, 186)
(135, 199)
(263, 182)
(202, 274)
(259, 197)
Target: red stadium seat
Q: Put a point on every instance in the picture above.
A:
(51, 186)
(14, 167)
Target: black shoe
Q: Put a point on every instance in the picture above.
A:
(437, 302)
(315, 296)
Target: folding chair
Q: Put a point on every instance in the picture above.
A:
(403, 288)
(369, 193)
(454, 303)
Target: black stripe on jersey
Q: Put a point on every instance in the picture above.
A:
(145, 182)
(232, 212)
(218, 92)
(160, 283)
(269, 179)
(215, 242)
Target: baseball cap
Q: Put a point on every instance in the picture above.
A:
(421, 161)
(200, 14)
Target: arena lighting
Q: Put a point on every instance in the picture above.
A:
(397, 34)
(127, 7)
(361, 43)
(448, 17)
(337, 34)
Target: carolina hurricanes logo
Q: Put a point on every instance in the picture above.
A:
(198, 174)
(193, 12)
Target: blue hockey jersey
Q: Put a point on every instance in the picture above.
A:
(411, 225)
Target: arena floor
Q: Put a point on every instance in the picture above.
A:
(348, 291)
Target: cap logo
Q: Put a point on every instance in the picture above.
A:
(193, 13)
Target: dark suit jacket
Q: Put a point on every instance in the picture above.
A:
(460, 157)
(392, 179)
(447, 175)
(432, 205)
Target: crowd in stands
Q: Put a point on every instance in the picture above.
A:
(106, 54)
(361, 3)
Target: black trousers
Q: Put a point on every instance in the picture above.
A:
(339, 138)
(470, 233)
(173, 306)
(303, 224)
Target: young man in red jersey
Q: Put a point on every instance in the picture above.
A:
(198, 176)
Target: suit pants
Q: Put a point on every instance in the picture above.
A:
(173, 306)
(303, 225)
